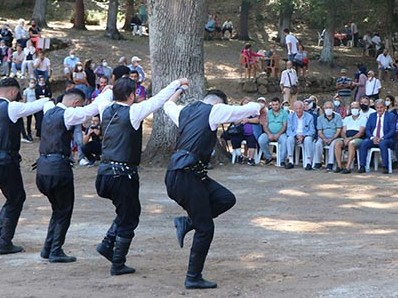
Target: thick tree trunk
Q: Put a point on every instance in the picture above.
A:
(389, 25)
(111, 22)
(130, 9)
(79, 23)
(39, 13)
(327, 56)
(285, 19)
(244, 20)
(176, 51)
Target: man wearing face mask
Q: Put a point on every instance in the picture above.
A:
(70, 64)
(380, 133)
(365, 110)
(352, 134)
(329, 128)
(11, 183)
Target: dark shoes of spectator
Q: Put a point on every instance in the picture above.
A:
(345, 171)
(338, 170)
(317, 166)
(329, 167)
(385, 171)
(251, 162)
(289, 166)
(240, 159)
(30, 138)
(308, 167)
(283, 164)
(268, 161)
(361, 170)
(91, 163)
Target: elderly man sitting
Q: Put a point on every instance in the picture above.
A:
(300, 130)
(329, 127)
(380, 132)
(274, 131)
(352, 134)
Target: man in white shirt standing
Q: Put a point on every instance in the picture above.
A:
(385, 65)
(291, 44)
(289, 83)
(372, 86)
(11, 185)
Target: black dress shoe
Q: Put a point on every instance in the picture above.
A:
(345, 171)
(289, 166)
(361, 170)
(385, 171)
(308, 167)
(199, 283)
(283, 164)
(10, 249)
(338, 170)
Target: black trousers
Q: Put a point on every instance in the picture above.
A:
(60, 192)
(29, 125)
(123, 192)
(203, 200)
(11, 186)
(92, 149)
(38, 120)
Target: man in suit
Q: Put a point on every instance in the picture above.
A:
(300, 130)
(380, 132)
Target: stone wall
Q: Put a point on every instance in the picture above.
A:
(264, 85)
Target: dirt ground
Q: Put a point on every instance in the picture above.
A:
(291, 234)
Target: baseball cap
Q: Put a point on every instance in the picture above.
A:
(261, 98)
(135, 58)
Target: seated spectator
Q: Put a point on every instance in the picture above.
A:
(366, 110)
(6, 35)
(80, 78)
(135, 65)
(227, 26)
(311, 107)
(385, 65)
(89, 66)
(30, 56)
(380, 132)
(248, 136)
(140, 91)
(301, 61)
(274, 131)
(92, 141)
(300, 130)
(352, 133)
(136, 25)
(251, 65)
(34, 33)
(344, 86)
(70, 64)
(210, 26)
(329, 128)
(121, 70)
(262, 118)
(17, 59)
(5, 58)
(338, 107)
(373, 86)
(68, 85)
(103, 70)
(103, 82)
(21, 34)
(390, 103)
(42, 65)
(286, 107)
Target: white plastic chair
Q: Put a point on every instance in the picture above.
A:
(320, 39)
(278, 159)
(376, 159)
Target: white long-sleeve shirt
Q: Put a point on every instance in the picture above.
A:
(18, 110)
(220, 113)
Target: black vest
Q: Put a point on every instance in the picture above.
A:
(120, 142)
(10, 134)
(196, 140)
(55, 138)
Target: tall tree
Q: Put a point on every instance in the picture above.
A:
(176, 51)
(130, 9)
(286, 8)
(111, 22)
(327, 55)
(79, 16)
(244, 20)
(39, 13)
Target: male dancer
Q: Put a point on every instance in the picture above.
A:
(11, 113)
(186, 178)
(54, 166)
(117, 177)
